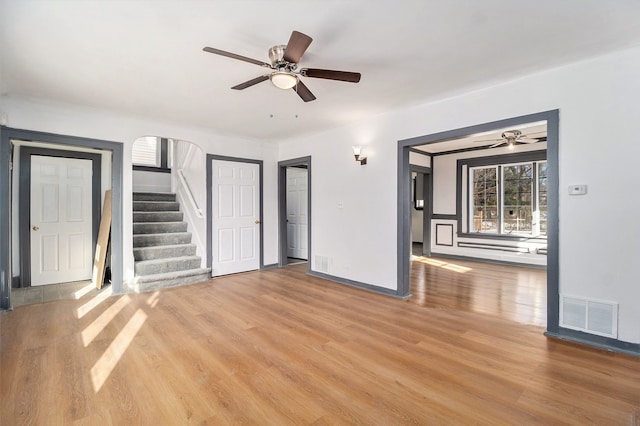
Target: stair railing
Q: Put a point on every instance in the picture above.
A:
(190, 197)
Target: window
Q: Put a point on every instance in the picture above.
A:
(517, 206)
(146, 152)
(508, 199)
(151, 151)
(484, 199)
(542, 197)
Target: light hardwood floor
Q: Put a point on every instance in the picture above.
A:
(279, 347)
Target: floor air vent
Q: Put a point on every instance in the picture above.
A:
(322, 263)
(591, 316)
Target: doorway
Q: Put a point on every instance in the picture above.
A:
(234, 215)
(458, 220)
(112, 158)
(421, 211)
(294, 211)
(59, 191)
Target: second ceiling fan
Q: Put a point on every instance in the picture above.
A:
(284, 72)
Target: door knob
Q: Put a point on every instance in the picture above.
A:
(257, 221)
(36, 228)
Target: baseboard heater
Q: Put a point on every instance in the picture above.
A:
(499, 247)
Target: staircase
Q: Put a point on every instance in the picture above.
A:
(162, 249)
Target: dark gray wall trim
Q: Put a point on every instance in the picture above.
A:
(270, 266)
(491, 160)
(150, 169)
(449, 228)
(5, 219)
(116, 148)
(427, 194)
(437, 216)
(552, 118)
(282, 208)
(15, 282)
(553, 245)
(25, 200)
(358, 284)
(404, 242)
(601, 342)
(211, 157)
(164, 153)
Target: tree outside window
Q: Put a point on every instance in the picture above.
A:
(485, 199)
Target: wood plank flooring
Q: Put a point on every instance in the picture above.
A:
(279, 347)
(514, 293)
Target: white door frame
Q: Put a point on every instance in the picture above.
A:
(210, 181)
(24, 204)
(282, 208)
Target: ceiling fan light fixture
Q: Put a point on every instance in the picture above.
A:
(283, 79)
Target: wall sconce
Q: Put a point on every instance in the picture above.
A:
(357, 152)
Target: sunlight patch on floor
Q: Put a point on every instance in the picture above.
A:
(153, 299)
(96, 327)
(87, 307)
(84, 290)
(104, 366)
(442, 264)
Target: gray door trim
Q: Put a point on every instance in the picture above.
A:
(117, 150)
(428, 208)
(552, 118)
(211, 157)
(25, 201)
(282, 208)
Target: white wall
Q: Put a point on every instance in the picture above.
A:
(46, 116)
(598, 127)
(190, 160)
(145, 181)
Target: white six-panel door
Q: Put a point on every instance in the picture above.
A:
(61, 221)
(235, 227)
(297, 221)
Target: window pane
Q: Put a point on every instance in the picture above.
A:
(145, 152)
(484, 200)
(542, 196)
(517, 204)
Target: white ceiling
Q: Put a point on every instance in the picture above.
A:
(535, 130)
(145, 58)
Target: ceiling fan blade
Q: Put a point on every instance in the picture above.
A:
(497, 144)
(235, 56)
(352, 77)
(298, 44)
(303, 91)
(251, 82)
(527, 140)
(489, 140)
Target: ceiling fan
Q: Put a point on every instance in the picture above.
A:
(511, 138)
(284, 72)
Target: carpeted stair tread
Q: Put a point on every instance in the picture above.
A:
(169, 279)
(160, 266)
(158, 227)
(150, 206)
(166, 216)
(161, 252)
(154, 196)
(161, 239)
